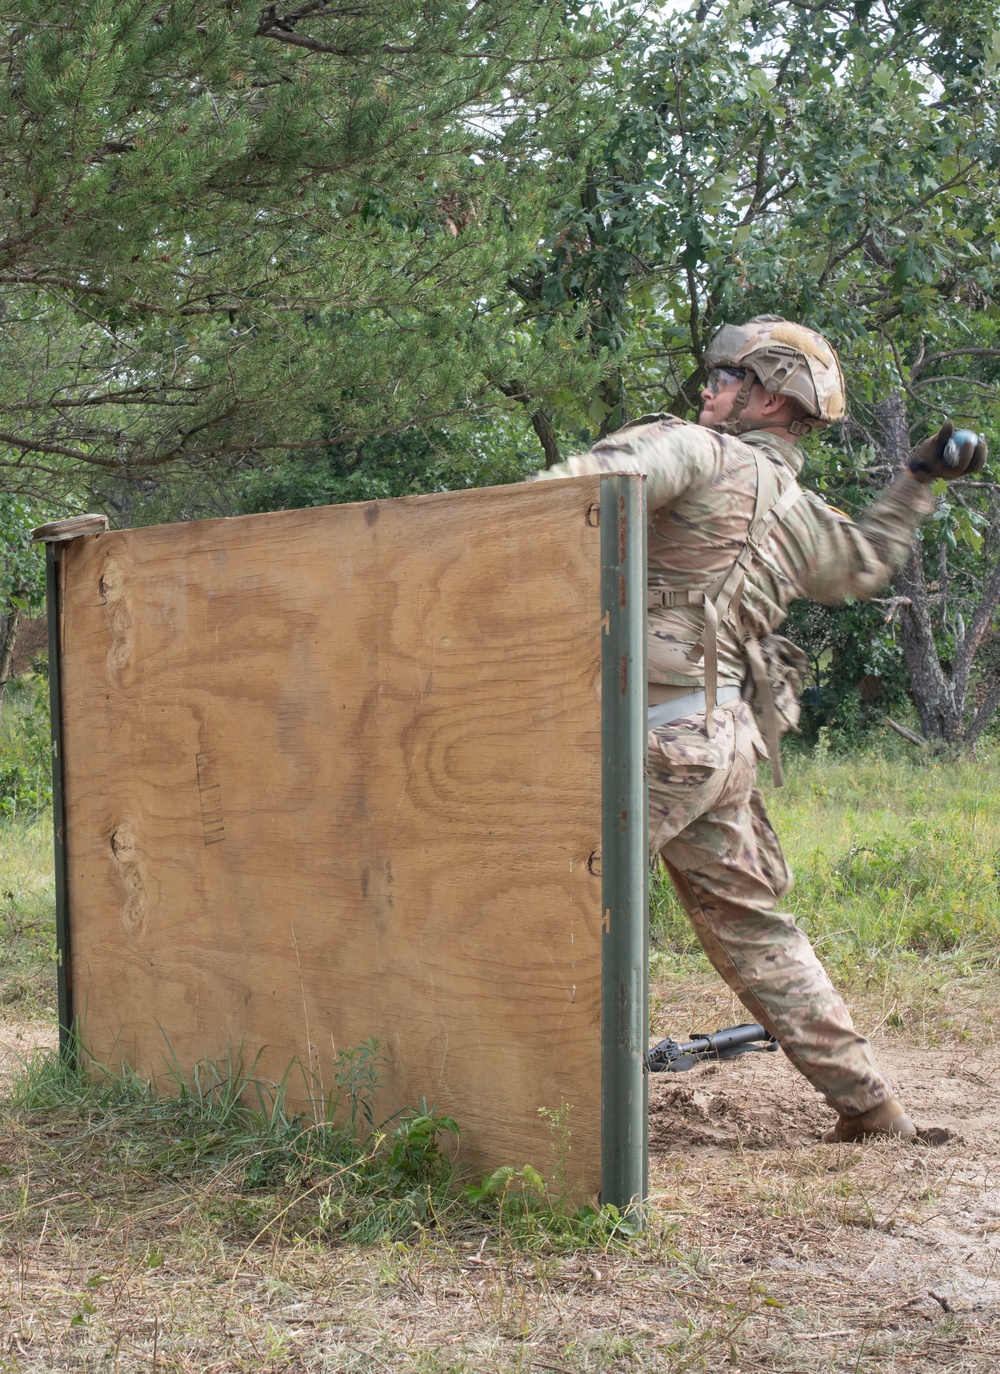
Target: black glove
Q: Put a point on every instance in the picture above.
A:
(939, 456)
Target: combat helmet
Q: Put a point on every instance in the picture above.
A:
(788, 360)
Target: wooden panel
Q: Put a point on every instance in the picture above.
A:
(333, 774)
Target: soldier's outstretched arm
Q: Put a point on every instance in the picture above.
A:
(672, 455)
(857, 558)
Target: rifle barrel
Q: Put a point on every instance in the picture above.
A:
(677, 1056)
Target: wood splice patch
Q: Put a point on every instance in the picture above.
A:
(336, 773)
(210, 797)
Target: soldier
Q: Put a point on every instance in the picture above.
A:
(732, 540)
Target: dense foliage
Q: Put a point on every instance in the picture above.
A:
(255, 255)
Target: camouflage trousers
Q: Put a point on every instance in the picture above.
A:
(707, 820)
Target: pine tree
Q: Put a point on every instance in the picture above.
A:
(229, 230)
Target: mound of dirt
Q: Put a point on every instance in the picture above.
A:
(746, 1103)
(759, 1102)
(884, 1227)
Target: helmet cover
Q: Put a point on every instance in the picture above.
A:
(788, 360)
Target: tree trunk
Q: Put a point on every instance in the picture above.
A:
(541, 423)
(7, 649)
(933, 693)
(541, 420)
(939, 696)
(983, 716)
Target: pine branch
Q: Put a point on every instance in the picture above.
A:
(26, 445)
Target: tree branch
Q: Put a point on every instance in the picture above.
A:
(542, 424)
(980, 624)
(981, 719)
(934, 358)
(907, 734)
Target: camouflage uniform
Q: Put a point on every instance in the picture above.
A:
(707, 817)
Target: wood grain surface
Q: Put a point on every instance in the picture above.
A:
(335, 774)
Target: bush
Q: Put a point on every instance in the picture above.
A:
(26, 749)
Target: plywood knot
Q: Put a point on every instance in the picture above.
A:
(129, 867)
(111, 589)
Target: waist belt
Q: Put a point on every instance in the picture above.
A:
(665, 598)
(694, 704)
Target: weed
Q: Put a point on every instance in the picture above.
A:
(416, 1157)
(356, 1073)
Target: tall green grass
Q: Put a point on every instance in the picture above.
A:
(219, 1126)
(893, 856)
(27, 888)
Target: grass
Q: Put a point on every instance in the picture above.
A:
(896, 863)
(142, 1231)
(27, 921)
(27, 888)
(272, 1172)
(135, 1235)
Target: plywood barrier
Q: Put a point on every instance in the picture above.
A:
(336, 774)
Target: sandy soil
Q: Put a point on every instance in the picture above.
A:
(769, 1252)
(18, 1042)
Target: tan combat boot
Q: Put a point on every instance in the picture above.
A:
(887, 1119)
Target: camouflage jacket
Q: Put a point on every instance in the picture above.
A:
(700, 494)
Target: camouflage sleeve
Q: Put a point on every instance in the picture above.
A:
(851, 558)
(672, 455)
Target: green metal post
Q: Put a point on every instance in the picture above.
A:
(624, 862)
(53, 561)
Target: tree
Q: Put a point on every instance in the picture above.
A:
(236, 238)
(840, 165)
(233, 230)
(22, 578)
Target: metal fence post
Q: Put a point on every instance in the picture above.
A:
(55, 536)
(624, 863)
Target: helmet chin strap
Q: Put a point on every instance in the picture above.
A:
(731, 425)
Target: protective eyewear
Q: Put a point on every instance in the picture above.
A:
(719, 377)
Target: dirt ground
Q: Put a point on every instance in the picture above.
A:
(768, 1251)
(884, 1242)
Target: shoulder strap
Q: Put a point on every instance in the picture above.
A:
(767, 490)
(722, 600)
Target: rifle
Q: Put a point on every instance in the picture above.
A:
(677, 1056)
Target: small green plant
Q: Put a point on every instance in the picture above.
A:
(416, 1156)
(531, 1215)
(531, 1212)
(356, 1074)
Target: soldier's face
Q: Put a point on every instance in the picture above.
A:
(718, 396)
